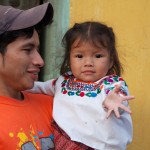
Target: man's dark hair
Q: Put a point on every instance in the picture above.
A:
(10, 36)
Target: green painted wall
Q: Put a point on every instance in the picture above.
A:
(52, 50)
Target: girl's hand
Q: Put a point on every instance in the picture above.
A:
(113, 102)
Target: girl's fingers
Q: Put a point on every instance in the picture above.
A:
(109, 113)
(125, 109)
(117, 88)
(124, 98)
(116, 111)
(117, 114)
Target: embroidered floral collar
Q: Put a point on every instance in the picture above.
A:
(73, 86)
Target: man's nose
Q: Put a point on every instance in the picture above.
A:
(37, 59)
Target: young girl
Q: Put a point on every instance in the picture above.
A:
(90, 71)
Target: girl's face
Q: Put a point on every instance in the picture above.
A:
(89, 63)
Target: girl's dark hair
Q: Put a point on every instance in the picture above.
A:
(10, 36)
(96, 33)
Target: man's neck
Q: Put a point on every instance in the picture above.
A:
(14, 95)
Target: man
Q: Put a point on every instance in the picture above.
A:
(25, 118)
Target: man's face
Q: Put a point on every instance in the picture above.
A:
(20, 65)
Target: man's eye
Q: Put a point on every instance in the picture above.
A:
(98, 55)
(27, 49)
(79, 56)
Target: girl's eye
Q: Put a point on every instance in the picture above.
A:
(98, 55)
(79, 56)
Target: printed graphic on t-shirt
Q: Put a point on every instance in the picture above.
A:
(33, 140)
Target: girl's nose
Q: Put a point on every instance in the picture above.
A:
(88, 62)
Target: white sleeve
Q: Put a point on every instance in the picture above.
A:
(47, 87)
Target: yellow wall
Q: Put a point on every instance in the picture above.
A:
(130, 20)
